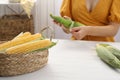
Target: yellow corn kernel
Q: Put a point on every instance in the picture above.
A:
(19, 41)
(28, 47)
(22, 35)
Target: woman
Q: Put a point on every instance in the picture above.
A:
(101, 17)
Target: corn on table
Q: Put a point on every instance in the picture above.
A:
(73, 60)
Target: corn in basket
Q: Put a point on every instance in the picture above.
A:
(24, 54)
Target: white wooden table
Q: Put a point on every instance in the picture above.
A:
(72, 60)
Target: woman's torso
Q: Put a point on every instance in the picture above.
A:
(91, 13)
(91, 4)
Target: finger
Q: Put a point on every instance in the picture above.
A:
(65, 29)
(76, 29)
(78, 36)
(55, 21)
(66, 17)
(75, 34)
(59, 24)
(62, 26)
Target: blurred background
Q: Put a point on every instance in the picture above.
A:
(41, 17)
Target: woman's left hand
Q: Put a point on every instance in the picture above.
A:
(80, 32)
(102, 31)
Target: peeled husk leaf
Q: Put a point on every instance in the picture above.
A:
(27, 6)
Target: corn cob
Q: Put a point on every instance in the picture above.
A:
(107, 56)
(66, 22)
(29, 47)
(113, 50)
(19, 41)
(19, 35)
(22, 35)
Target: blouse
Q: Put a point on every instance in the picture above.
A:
(102, 14)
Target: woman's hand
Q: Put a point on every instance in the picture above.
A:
(80, 32)
(102, 31)
(64, 29)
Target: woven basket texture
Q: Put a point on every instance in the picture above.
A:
(17, 64)
(12, 25)
(14, 1)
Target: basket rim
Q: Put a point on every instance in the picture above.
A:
(33, 52)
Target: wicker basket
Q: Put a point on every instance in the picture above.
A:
(12, 25)
(16, 64)
(14, 1)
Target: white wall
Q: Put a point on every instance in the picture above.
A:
(45, 8)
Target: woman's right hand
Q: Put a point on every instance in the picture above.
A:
(62, 26)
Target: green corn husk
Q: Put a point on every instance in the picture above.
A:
(113, 50)
(107, 56)
(66, 22)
